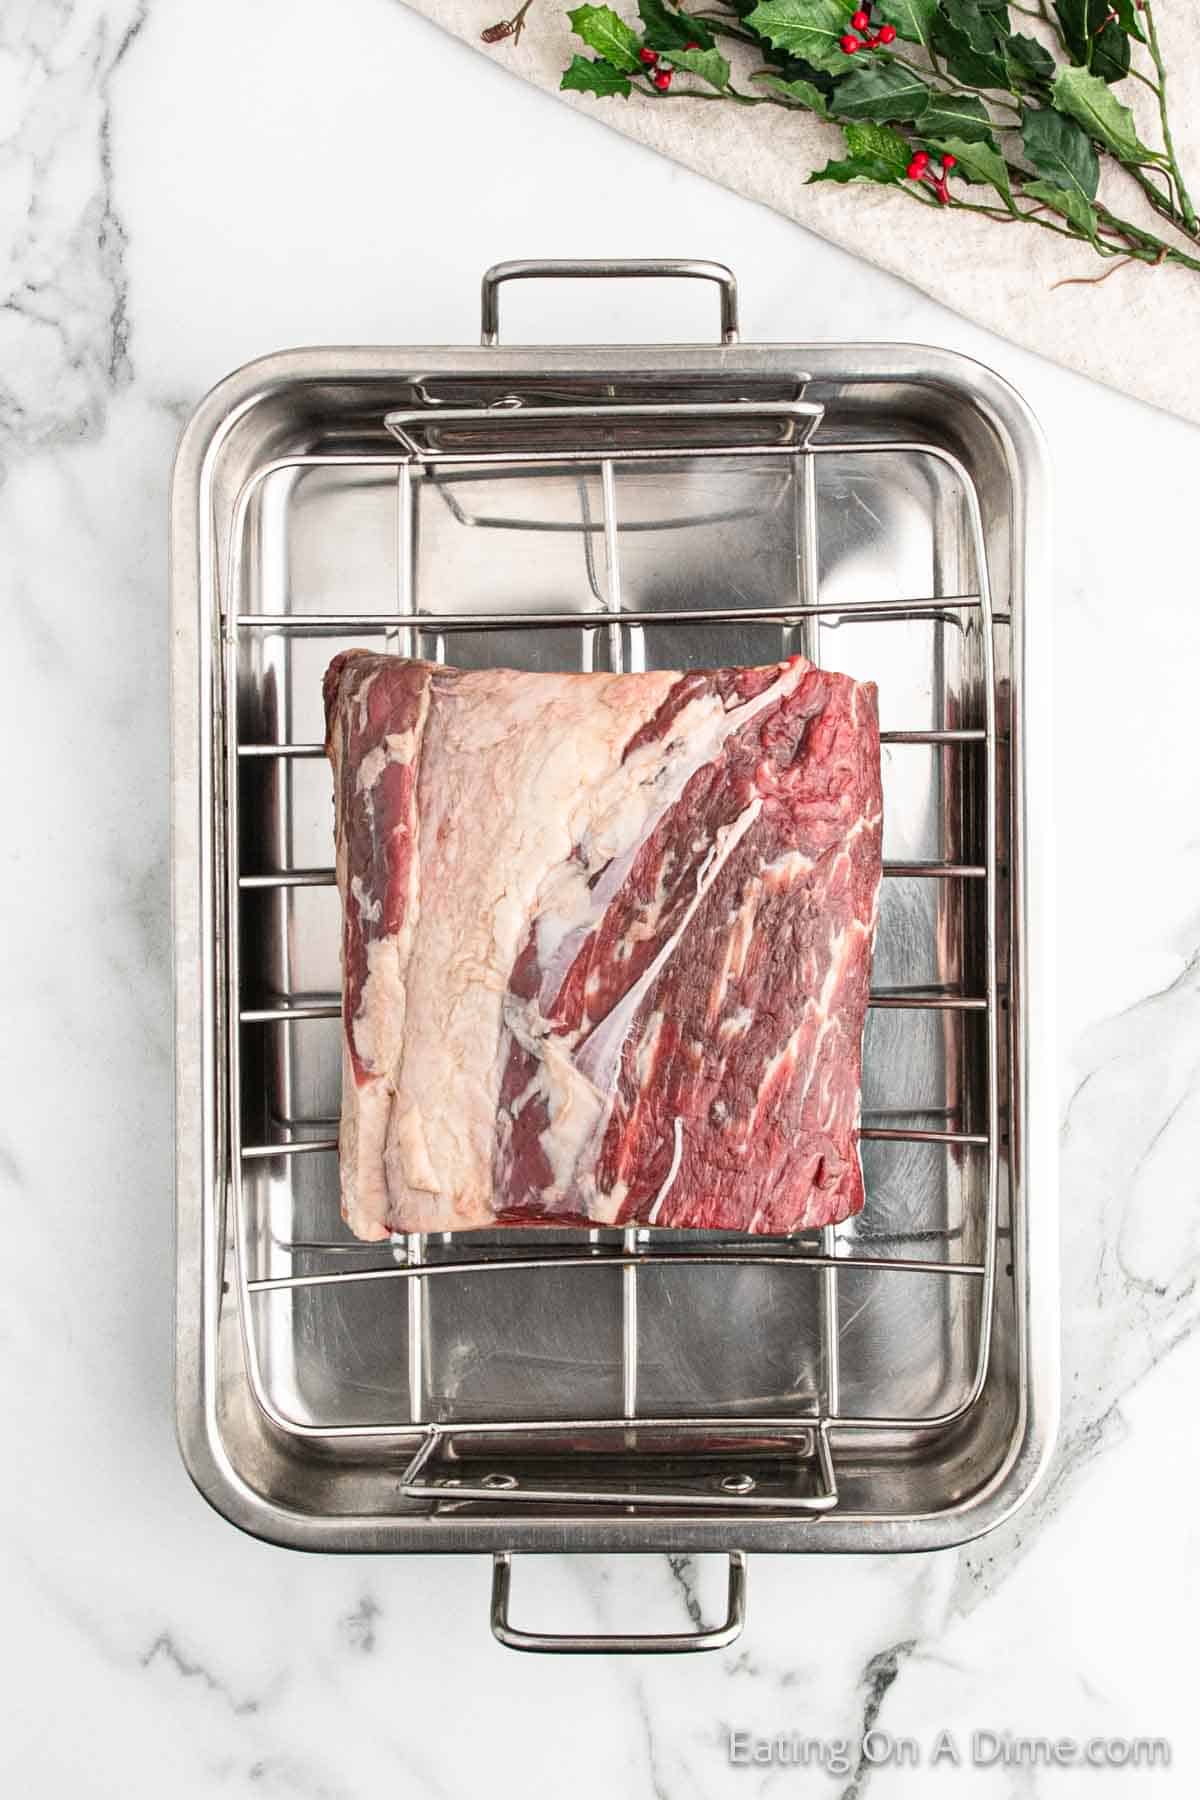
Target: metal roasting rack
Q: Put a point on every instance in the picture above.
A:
(776, 1462)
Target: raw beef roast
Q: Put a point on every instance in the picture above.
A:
(607, 941)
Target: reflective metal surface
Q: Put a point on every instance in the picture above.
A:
(656, 269)
(890, 1384)
(610, 1644)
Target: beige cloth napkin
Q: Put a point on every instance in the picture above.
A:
(1136, 331)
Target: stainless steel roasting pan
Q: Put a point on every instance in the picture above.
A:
(890, 1384)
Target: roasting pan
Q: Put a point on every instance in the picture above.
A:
(887, 1384)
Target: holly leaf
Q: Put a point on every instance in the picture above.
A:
(878, 141)
(957, 115)
(1073, 206)
(1085, 98)
(982, 30)
(1079, 18)
(812, 29)
(709, 65)
(913, 19)
(1028, 60)
(881, 91)
(1110, 53)
(1093, 39)
(794, 68)
(859, 168)
(981, 69)
(976, 162)
(1128, 20)
(586, 77)
(802, 92)
(786, 63)
(668, 30)
(1062, 152)
(602, 30)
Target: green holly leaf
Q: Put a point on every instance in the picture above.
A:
(586, 77)
(1028, 60)
(957, 115)
(1078, 19)
(1062, 152)
(794, 68)
(602, 30)
(802, 92)
(976, 162)
(913, 19)
(668, 30)
(880, 142)
(980, 69)
(1110, 53)
(881, 91)
(812, 29)
(1128, 20)
(709, 65)
(859, 168)
(982, 30)
(1074, 206)
(1085, 98)
(1093, 39)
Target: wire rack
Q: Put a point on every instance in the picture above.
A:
(429, 446)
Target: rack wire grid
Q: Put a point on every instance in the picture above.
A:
(813, 1428)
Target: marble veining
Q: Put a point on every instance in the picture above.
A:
(878, 1676)
(181, 189)
(65, 329)
(164, 1649)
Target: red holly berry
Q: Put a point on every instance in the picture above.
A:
(850, 44)
(860, 21)
(920, 161)
(692, 46)
(949, 162)
(915, 170)
(887, 34)
(649, 57)
(662, 80)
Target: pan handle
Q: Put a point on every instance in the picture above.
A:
(590, 270)
(620, 1643)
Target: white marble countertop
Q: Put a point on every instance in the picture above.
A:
(183, 188)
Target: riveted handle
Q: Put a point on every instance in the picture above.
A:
(619, 1643)
(588, 270)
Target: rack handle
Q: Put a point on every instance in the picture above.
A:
(589, 269)
(620, 1643)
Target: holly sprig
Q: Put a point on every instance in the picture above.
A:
(943, 100)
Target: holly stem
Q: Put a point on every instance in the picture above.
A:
(1157, 250)
(729, 93)
(1141, 245)
(964, 86)
(1169, 204)
(1185, 200)
(720, 28)
(1162, 203)
(1146, 81)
